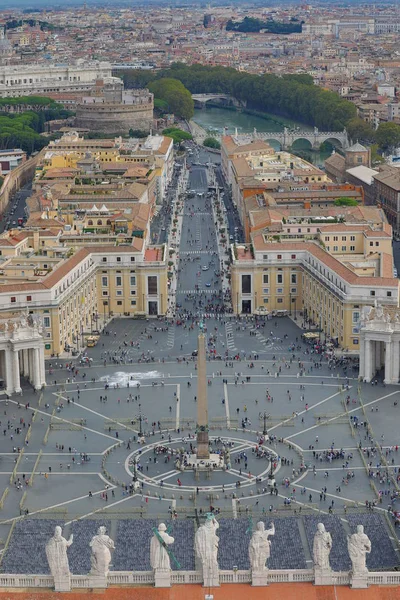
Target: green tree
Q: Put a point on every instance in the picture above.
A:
(345, 201)
(388, 136)
(360, 130)
(211, 142)
(178, 135)
(177, 97)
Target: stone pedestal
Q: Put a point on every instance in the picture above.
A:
(211, 580)
(259, 578)
(162, 578)
(323, 577)
(359, 581)
(62, 584)
(97, 581)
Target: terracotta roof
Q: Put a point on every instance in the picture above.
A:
(153, 254)
(289, 591)
(330, 261)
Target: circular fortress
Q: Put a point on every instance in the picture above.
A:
(111, 109)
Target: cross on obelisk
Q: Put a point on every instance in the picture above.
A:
(203, 451)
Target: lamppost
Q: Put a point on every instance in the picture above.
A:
(290, 298)
(134, 469)
(104, 311)
(264, 416)
(140, 418)
(295, 308)
(109, 306)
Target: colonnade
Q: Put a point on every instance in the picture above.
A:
(21, 353)
(27, 362)
(376, 354)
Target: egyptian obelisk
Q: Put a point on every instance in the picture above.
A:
(203, 451)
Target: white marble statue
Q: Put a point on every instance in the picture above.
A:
(56, 552)
(206, 545)
(159, 557)
(101, 544)
(359, 545)
(321, 548)
(260, 546)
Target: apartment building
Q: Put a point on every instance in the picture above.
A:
(73, 292)
(325, 278)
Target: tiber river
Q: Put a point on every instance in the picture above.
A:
(214, 119)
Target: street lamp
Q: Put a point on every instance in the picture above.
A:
(134, 469)
(290, 298)
(264, 416)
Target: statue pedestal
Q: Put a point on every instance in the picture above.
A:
(323, 577)
(259, 578)
(359, 581)
(211, 580)
(62, 584)
(162, 578)
(97, 581)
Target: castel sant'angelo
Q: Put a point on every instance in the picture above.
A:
(111, 109)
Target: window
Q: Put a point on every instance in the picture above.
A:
(293, 278)
(327, 239)
(355, 341)
(265, 278)
(279, 278)
(328, 249)
(105, 293)
(104, 259)
(344, 238)
(133, 279)
(133, 302)
(279, 300)
(279, 257)
(352, 248)
(356, 316)
(352, 238)
(371, 243)
(152, 287)
(118, 280)
(133, 292)
(293, 257)
(376, 243)
(104, 281)
(118, 259)
(279, 290)
(119, 292)
(46, 321)
(132, 259)
(13, 299)
(246, 284)
(389, 294)
(293, 290)
(29, 298)
(265, 290)
(344, 248)
(372, 293)
(265, 300)
(335, 238)
(119, 302)
(335, 248)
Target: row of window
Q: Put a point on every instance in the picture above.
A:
(344, 238)
(280, 278)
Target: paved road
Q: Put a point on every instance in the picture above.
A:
(16, 208)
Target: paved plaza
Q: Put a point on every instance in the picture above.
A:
(332, 442)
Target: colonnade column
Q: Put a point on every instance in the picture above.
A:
(368, 361)
(36, 369)
(16, 378)
(361, 369)
(42, 367)
(25, 363)
(395, 362)
(8, 371)
(388, 363)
